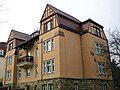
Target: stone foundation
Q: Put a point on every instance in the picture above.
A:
(68, 84)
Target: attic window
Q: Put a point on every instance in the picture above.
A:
(1, 52)
(96, 31)
(10, 46)
(48, 26)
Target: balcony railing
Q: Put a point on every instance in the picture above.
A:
(25, 62)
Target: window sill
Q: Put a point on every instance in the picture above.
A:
(8, 79)
(27, 76)
(49, 73)
(100, 54)
(47, 51)
(105, 74)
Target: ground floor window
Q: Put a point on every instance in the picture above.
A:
(76, 86)
(35, 87)
(48, 86)
(44, 87)
(104, 87)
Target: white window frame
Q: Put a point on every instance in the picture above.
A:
(8, 75)
(48, 45)
(99, 49)
(50, 86)
(49, 66)
(10, 46)
(1, 52)
(20, 55)
(9, 60)
(76, 86)
(96, 31)
(44, 87)
(28, 72)
(19, 74)
(36, 70)
(104, 87)
(48, 26)
(101, 68)
(36, 52)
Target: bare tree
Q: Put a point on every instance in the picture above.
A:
(114, 47)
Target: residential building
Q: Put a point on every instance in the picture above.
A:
(65, 54)
(2, 61)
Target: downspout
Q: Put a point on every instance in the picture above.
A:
(83, 65)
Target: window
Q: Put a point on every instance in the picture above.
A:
(35, 87)
(27, 72)
(99, 49)
(48, 26)
(44, 87)
(1, 52)
(20, 55)
(36, 52)
(48, 45)
(19, 74)
(10, 46)
(36, 70)
(8, 75)
(9, 60)
(96, 31)
(104, 87)
(101, 68)
(48, 67)
(50, 87)
(28, 53)
(76, 86)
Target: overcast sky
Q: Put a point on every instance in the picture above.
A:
(24, 15)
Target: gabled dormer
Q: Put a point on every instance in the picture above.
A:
(53, 17)
(16, 38)
(93, 27)
(48, 20)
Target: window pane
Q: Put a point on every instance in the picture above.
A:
(1, 52)
(36, 52)
(44, 68)
(36, 70)
(76, 86)
(50, 87)
(48, 26)
(19, 74)
(44, 87)
(101, 67)
(28, 72)
(8, 75)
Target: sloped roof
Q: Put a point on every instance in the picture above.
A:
(90, 20)
(65, 20)
(57, 11)
(20, 35)
(3, 45)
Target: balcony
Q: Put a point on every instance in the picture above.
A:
(25, 62)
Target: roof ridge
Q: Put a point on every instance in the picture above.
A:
(19, 32)
(66, 14)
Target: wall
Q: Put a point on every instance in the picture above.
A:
(70, 55)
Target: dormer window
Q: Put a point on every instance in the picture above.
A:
(1, 52)
(10, 46)
(48, 26)
(96, 31)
